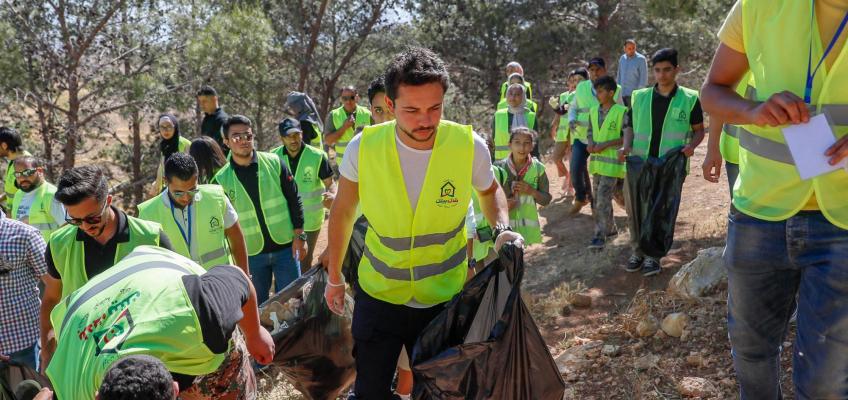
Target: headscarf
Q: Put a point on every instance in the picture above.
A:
(519, 113)
(172, 145)
(304, 108)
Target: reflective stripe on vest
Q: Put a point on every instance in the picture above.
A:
(208, 208)
(310, 187)
(339, 116)
(769, 188)
(274, 206)
(502, 130)
(415, 254)
(606, 163)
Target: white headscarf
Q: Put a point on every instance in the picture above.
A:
(519, 113)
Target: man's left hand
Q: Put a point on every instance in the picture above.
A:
(261, 346)
(688, 150)
(838, 152)
(509, 236)
(299, 249)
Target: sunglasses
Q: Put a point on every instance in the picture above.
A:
(91, 219)
(180, 193)
(348, 98)
(25, 173)
(244, 137)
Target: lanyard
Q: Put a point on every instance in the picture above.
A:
(187, 238)
(808, 89)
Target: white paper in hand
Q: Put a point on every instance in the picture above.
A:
(808, 143)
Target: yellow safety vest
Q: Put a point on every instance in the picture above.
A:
(587, 99)
(606, 162)
(40, 216)
(502, 132)
(310, 187)
(339, 115)
(419, 253)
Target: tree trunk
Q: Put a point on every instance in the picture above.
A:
(135, 128)
(70, 150)
(315, 29)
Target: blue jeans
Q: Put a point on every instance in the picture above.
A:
(281, 264)
(579, 170)
(732, 173)
(768, 264)
(28, 356)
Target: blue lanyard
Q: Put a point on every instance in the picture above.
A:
(808, 90)
(180, 227)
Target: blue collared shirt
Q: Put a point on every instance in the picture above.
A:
(632, 73)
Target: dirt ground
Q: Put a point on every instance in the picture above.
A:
(640, 368)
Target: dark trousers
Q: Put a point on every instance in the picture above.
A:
(579, 170)
(626, 101)
(380, 329)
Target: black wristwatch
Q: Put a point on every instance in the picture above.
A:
(302, 236)
(501, 228)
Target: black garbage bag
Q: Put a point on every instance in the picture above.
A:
(313, 346)
(655, 186)
(13, 374)
(485, 345)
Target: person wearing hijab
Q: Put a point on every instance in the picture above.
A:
(517, 78)
(171, 142)
(301, 107)
(517, 114)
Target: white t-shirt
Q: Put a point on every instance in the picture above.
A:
(181, 218)
(56, 208)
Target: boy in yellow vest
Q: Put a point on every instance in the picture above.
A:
(787, 237)
(607, 122)
(560, 129)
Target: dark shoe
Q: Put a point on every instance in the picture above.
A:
(597, 243)
(576, 206)
(634, 264)
(651, 267)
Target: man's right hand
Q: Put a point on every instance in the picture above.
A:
(509, 236)
(349, 123)
(780, 109)
(46, 354)
(623, 153)
(260, 346)
(712, 166)
(335, 296)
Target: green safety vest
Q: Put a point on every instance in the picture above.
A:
(69, 253)
(769, 186)
(363, 118)
(419, 253)
(209, 208)
(309, 184)
(274, 206)
(676, 130)
(586, 99)
(9, 182)
(40, 216)
(563, 131)
(318, 140)
(482, 249)
(502, 132)
(606, 162)
(139, 306)
(524, 218)
(527, 86)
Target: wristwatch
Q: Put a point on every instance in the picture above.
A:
(302, 236)
(501, 228)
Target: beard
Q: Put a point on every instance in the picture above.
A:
(410, 135)
(32, 186)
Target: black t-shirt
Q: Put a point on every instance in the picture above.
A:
(99, 258)
(309, 132)
(534, 153)
(249, 178)
(212, 126)
(659, 109)
(324, 170)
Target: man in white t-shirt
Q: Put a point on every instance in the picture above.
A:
(35, 190)
(413, 179)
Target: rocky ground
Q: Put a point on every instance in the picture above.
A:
(616, 335)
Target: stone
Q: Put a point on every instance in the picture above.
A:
(695, 360)
(696, 387)
(674, 324)
(565, 310)
(700, 277)
(647, 326)
(647, 361)
(611, 350)
(576, 359)
(580, 300)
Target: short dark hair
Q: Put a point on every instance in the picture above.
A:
(237, 119)
(599, 62)
(630, 41)
(79, 183)
(11, 137)
(207, 90)
(137, 377)
(580, 71)
(666, 54)
(415, 66)
(180, 165)
(32, 160)
(208, 156)
(605, 82)
(378, 85)
(523, 131)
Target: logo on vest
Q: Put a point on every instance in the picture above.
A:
(214, 224)
(681, 115)
(447, 196)
(231, 194)
(111, 328)
(308, 175)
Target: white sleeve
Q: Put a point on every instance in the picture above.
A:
(350, 162)
(230, 214)
(57, 211)
(470, 222)
(481, 172)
